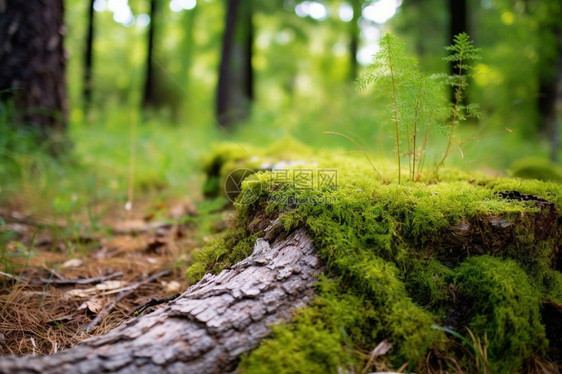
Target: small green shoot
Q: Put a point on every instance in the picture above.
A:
(462, 53)
(418, 101)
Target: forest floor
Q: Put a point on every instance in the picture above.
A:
(62, 284)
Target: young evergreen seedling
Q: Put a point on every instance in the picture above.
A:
(462, 54)
(418, 101)
(393, 69)
(416, 98)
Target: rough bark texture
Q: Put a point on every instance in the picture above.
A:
(32, 62)
(207, 328)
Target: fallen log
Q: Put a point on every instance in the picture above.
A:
(208, 327)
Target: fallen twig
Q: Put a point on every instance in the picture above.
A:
(62, 281)
(66, 281)
(152, 302)
(126, 292)
(14, 277)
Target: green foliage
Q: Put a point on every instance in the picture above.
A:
(505, 307)
(232, 247)
(462, 53)
(428, 283)
(393, 69)
(418, 102)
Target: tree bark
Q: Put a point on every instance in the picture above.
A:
(32, 63)
(88, 57)
(235, 85)
(148, 97)
(208, 327)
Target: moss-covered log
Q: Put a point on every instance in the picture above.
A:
(414, 264)
(207, 328)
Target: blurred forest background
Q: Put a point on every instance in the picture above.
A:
(130, 95)
(109, 109)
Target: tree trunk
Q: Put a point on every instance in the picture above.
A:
(87, 92)
(354, 39)
(208, 327)
(148, 98)
(32, 64)
(550, 97)
(458, 23)
(458, 19)
(235, 84)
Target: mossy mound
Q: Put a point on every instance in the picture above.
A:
(407, 263)
(537, 168)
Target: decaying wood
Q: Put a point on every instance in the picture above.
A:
(208, 327)
(481, 234)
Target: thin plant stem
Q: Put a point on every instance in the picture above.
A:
(132, 154)
(424, 147)
(455, 116)
(395, 119)
(358, 146)
(416, 130)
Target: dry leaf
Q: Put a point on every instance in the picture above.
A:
(94, 305)
(172, 287)
(72, 263)
(110, 285)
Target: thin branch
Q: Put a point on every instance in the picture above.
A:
(125, 292)
(66, 281)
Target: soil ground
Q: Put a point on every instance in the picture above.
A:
(49, 294)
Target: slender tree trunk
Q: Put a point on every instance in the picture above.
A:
(354, 39)
(555, 129)
(458, 23)
(235, 85)
(88, 57)
(249, 51)
(32, 65)
(550, 98)
(458, 18)
(148, 98)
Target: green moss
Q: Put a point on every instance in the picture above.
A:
(324, 336)
(232, 247)
(317, 340)
(428, 283)
(505, 307)
(537, 168)
(391, 270)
